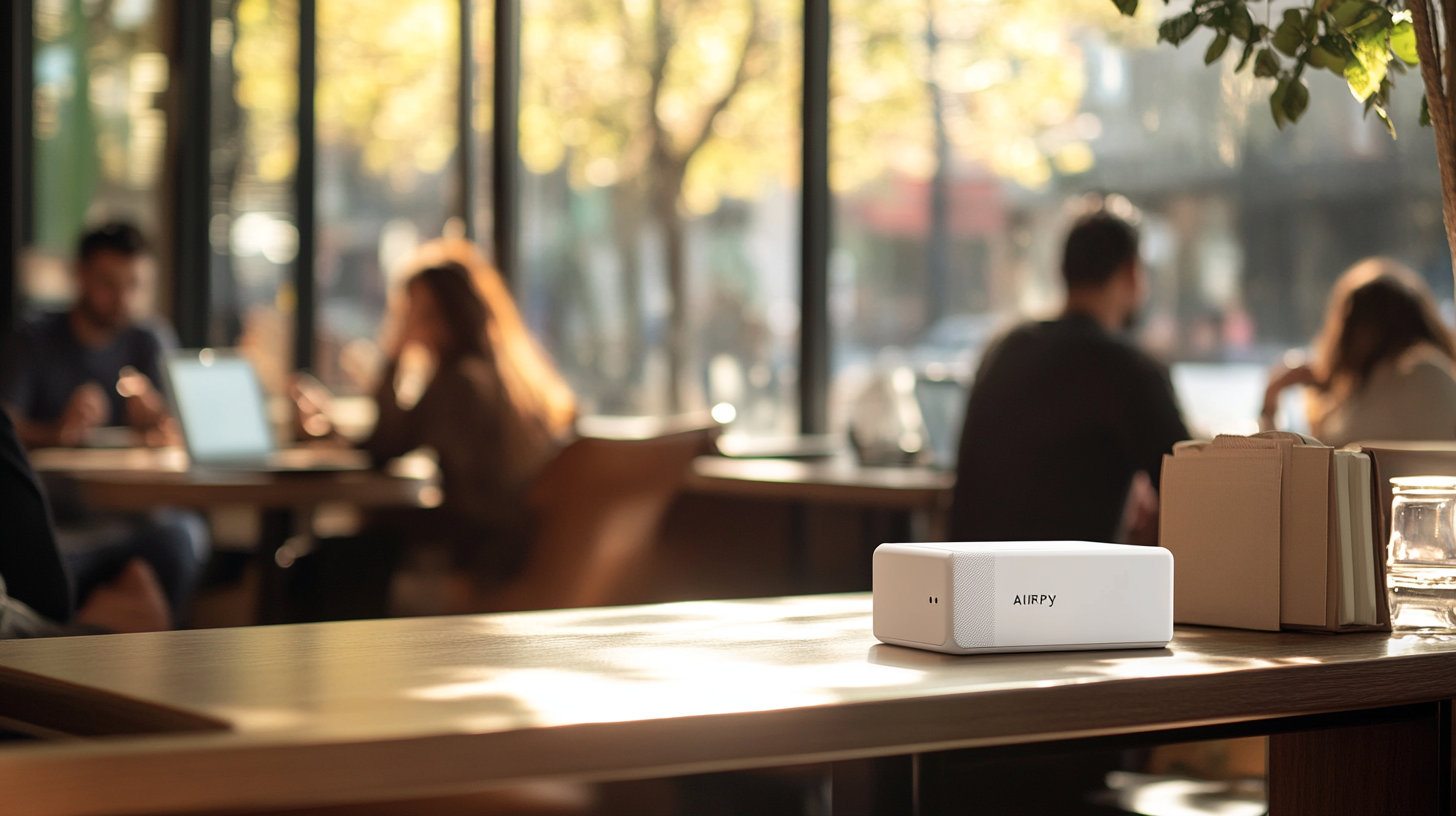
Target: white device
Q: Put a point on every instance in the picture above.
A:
(1023, 596)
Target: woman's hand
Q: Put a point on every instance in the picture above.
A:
(311, 401)
(1282, 376)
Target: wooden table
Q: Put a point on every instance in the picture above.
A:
(144, 478)
(837, 480)
(141, 479)
(372, 710)
(891, 504)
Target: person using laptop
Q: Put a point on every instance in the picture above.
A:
(65, 375)
(93, 365)
(1067, 421)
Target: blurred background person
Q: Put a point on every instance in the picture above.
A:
(35, 595)
(94, 365)
(465, 378)
(1068, 422)
(65, 375)
(1383, 363)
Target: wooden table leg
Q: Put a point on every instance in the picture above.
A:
(276, 528)
(1401, 767)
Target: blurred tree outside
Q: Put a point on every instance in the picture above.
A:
(685, 103)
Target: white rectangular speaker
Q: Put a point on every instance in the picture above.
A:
(1023, 596)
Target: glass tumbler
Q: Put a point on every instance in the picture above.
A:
(1421, 560)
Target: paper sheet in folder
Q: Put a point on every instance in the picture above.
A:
(1274, 531)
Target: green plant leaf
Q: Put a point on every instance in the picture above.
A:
(1403, 42)
(1321, 58)
(1127, 7)
(1177, 29)
(1276, 103)
(1385, 120)
(1266, 64)
(1293, 17)
(1248, 52)
(1346, 12)
(1216, 48)
(1288, 38)
(1241, 23)
(1296, 99)
(1367, 69)
(1425, 111)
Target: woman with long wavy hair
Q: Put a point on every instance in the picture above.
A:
(1383, 363)
(494, 409)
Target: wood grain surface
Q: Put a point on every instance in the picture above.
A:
(371, 710)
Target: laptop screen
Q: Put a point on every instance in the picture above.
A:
(220, 406)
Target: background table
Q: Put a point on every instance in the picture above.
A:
(366, 710)
(837, 480)
(141, 479)
(815, 520)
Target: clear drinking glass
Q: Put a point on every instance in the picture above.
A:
(1421, 559)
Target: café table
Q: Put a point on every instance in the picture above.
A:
(892, 503)
(141, 479)
(834, 480)
(364, 711)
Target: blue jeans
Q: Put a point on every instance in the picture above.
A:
(174, 543)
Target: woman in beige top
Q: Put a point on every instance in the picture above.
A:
(1383, 366)
(495, 410)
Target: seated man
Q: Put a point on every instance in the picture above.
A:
(35, 599)
(64, 375)
(1067, 424)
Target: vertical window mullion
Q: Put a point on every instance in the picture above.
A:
(465, 144)
(191, 199)
(814, 272)
(304, 183)
(505, 167)
(15, 194)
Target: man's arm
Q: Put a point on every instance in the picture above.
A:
(86, 409)
(1160, 422)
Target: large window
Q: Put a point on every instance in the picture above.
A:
(99, 130)
(387, 114)
(649, 210)
(966, 136)
(661, 141)
(254, 228)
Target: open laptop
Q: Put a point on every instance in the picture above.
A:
(221, 407)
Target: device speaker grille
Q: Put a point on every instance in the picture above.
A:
(974, 576)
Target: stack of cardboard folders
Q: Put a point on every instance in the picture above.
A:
(1274, 531)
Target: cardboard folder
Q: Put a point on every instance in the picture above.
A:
(1255, 528)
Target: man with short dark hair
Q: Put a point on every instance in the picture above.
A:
(61, 373)
(66, 374)
(1068, 422)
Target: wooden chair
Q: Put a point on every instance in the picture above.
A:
(598, 506)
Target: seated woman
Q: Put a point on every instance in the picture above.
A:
(1383, 364)
(494, 410)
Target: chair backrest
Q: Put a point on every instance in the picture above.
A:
(598, 506)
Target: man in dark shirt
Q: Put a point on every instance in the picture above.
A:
(64, 375)
(1068, 422)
